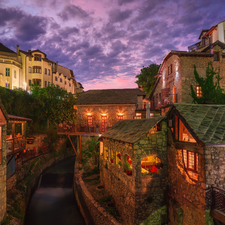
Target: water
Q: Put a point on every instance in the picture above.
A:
(54, 203)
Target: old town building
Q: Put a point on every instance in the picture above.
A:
(133, 169)
(23, 68)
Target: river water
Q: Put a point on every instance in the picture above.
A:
(53, 203)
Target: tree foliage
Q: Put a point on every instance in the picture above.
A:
(41, 105)
(147, 77)
(210, 87)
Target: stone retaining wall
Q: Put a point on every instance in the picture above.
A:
(91, 210)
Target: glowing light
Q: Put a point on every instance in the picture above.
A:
(89, 114)
(120, 114)
(103, 114)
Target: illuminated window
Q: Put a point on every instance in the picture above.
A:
(120, 117)
(106, 153)
(151, 165)
(37, 57)
(138, 116)
(103, 123)
(127, 164)
(198, 91)
(190, 160)
(36, 69)
(101, 148)
(7, 72)
(89, 120)
(111, 156)
(118, 159)
(169, 69)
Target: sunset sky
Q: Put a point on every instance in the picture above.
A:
(106, 42)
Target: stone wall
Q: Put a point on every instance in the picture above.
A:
(215, 166)
(182, 76)
(111, 111)
(137, 196)
(3, 167)
(186, 197)
(91, 210)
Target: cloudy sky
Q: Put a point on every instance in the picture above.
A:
(106, 42)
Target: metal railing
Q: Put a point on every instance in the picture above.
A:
(13, 144)
(79, 129)
(199, 45)
(163, 102)
(218, 200)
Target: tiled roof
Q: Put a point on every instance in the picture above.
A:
(221, 44)
(207, 121)
(107, 96)
(3, 48)
(131, 130)
(26, 53)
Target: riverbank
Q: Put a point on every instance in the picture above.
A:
(24, 182)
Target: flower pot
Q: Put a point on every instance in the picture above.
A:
(129, 172)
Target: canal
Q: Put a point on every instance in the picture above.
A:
(53, 202)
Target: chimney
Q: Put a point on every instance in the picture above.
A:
(140, 87)
(18, 50)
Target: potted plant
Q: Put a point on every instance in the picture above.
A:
(119, 163)
(128, 168)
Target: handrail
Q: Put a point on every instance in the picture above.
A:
(218, 200)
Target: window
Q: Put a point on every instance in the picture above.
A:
(48, 83)
(118, 159)
(106, 154)
(65, 82)
(45, 71)
(29, 69)
(30, 58)
(127, 165)
(70, 84)
(45, 83)
(198, 91)
(120, 117)
(37, 57)
(103, 123)
(216, 56)
(49, 72)
(36, 69)
(61, 80)
(111, 156)
(144, 105)
(14, 73)
(7, 72)
(29, 82)
(89, 120)
(151, 164)
(101, 148)
(169, 69)
(190, 160)
(56, 78)
(138, 116)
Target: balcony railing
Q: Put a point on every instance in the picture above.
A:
(199, 45)
(218, 200)
(81, 129)
(163, 102)
(15, 144)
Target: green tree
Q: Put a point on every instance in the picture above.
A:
(147, 77)
(210, 87)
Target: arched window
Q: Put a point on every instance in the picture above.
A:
(118, 159)
(127, 164)
(151, 164)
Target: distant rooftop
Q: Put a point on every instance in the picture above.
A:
(3, 48)
(107, 96)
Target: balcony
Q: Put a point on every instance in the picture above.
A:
(200, 45)
(79, 129)
(14, 145)
(163, 102)
(218, 204)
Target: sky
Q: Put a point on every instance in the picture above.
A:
(106, 42)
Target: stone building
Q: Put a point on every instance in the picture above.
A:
(20, 69)
(196, 153)
(133, 169)
(3, 162)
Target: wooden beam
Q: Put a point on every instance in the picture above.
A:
(218, 216)
(73, 147)
(189, 146)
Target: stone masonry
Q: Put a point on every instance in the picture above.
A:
(137, 196)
